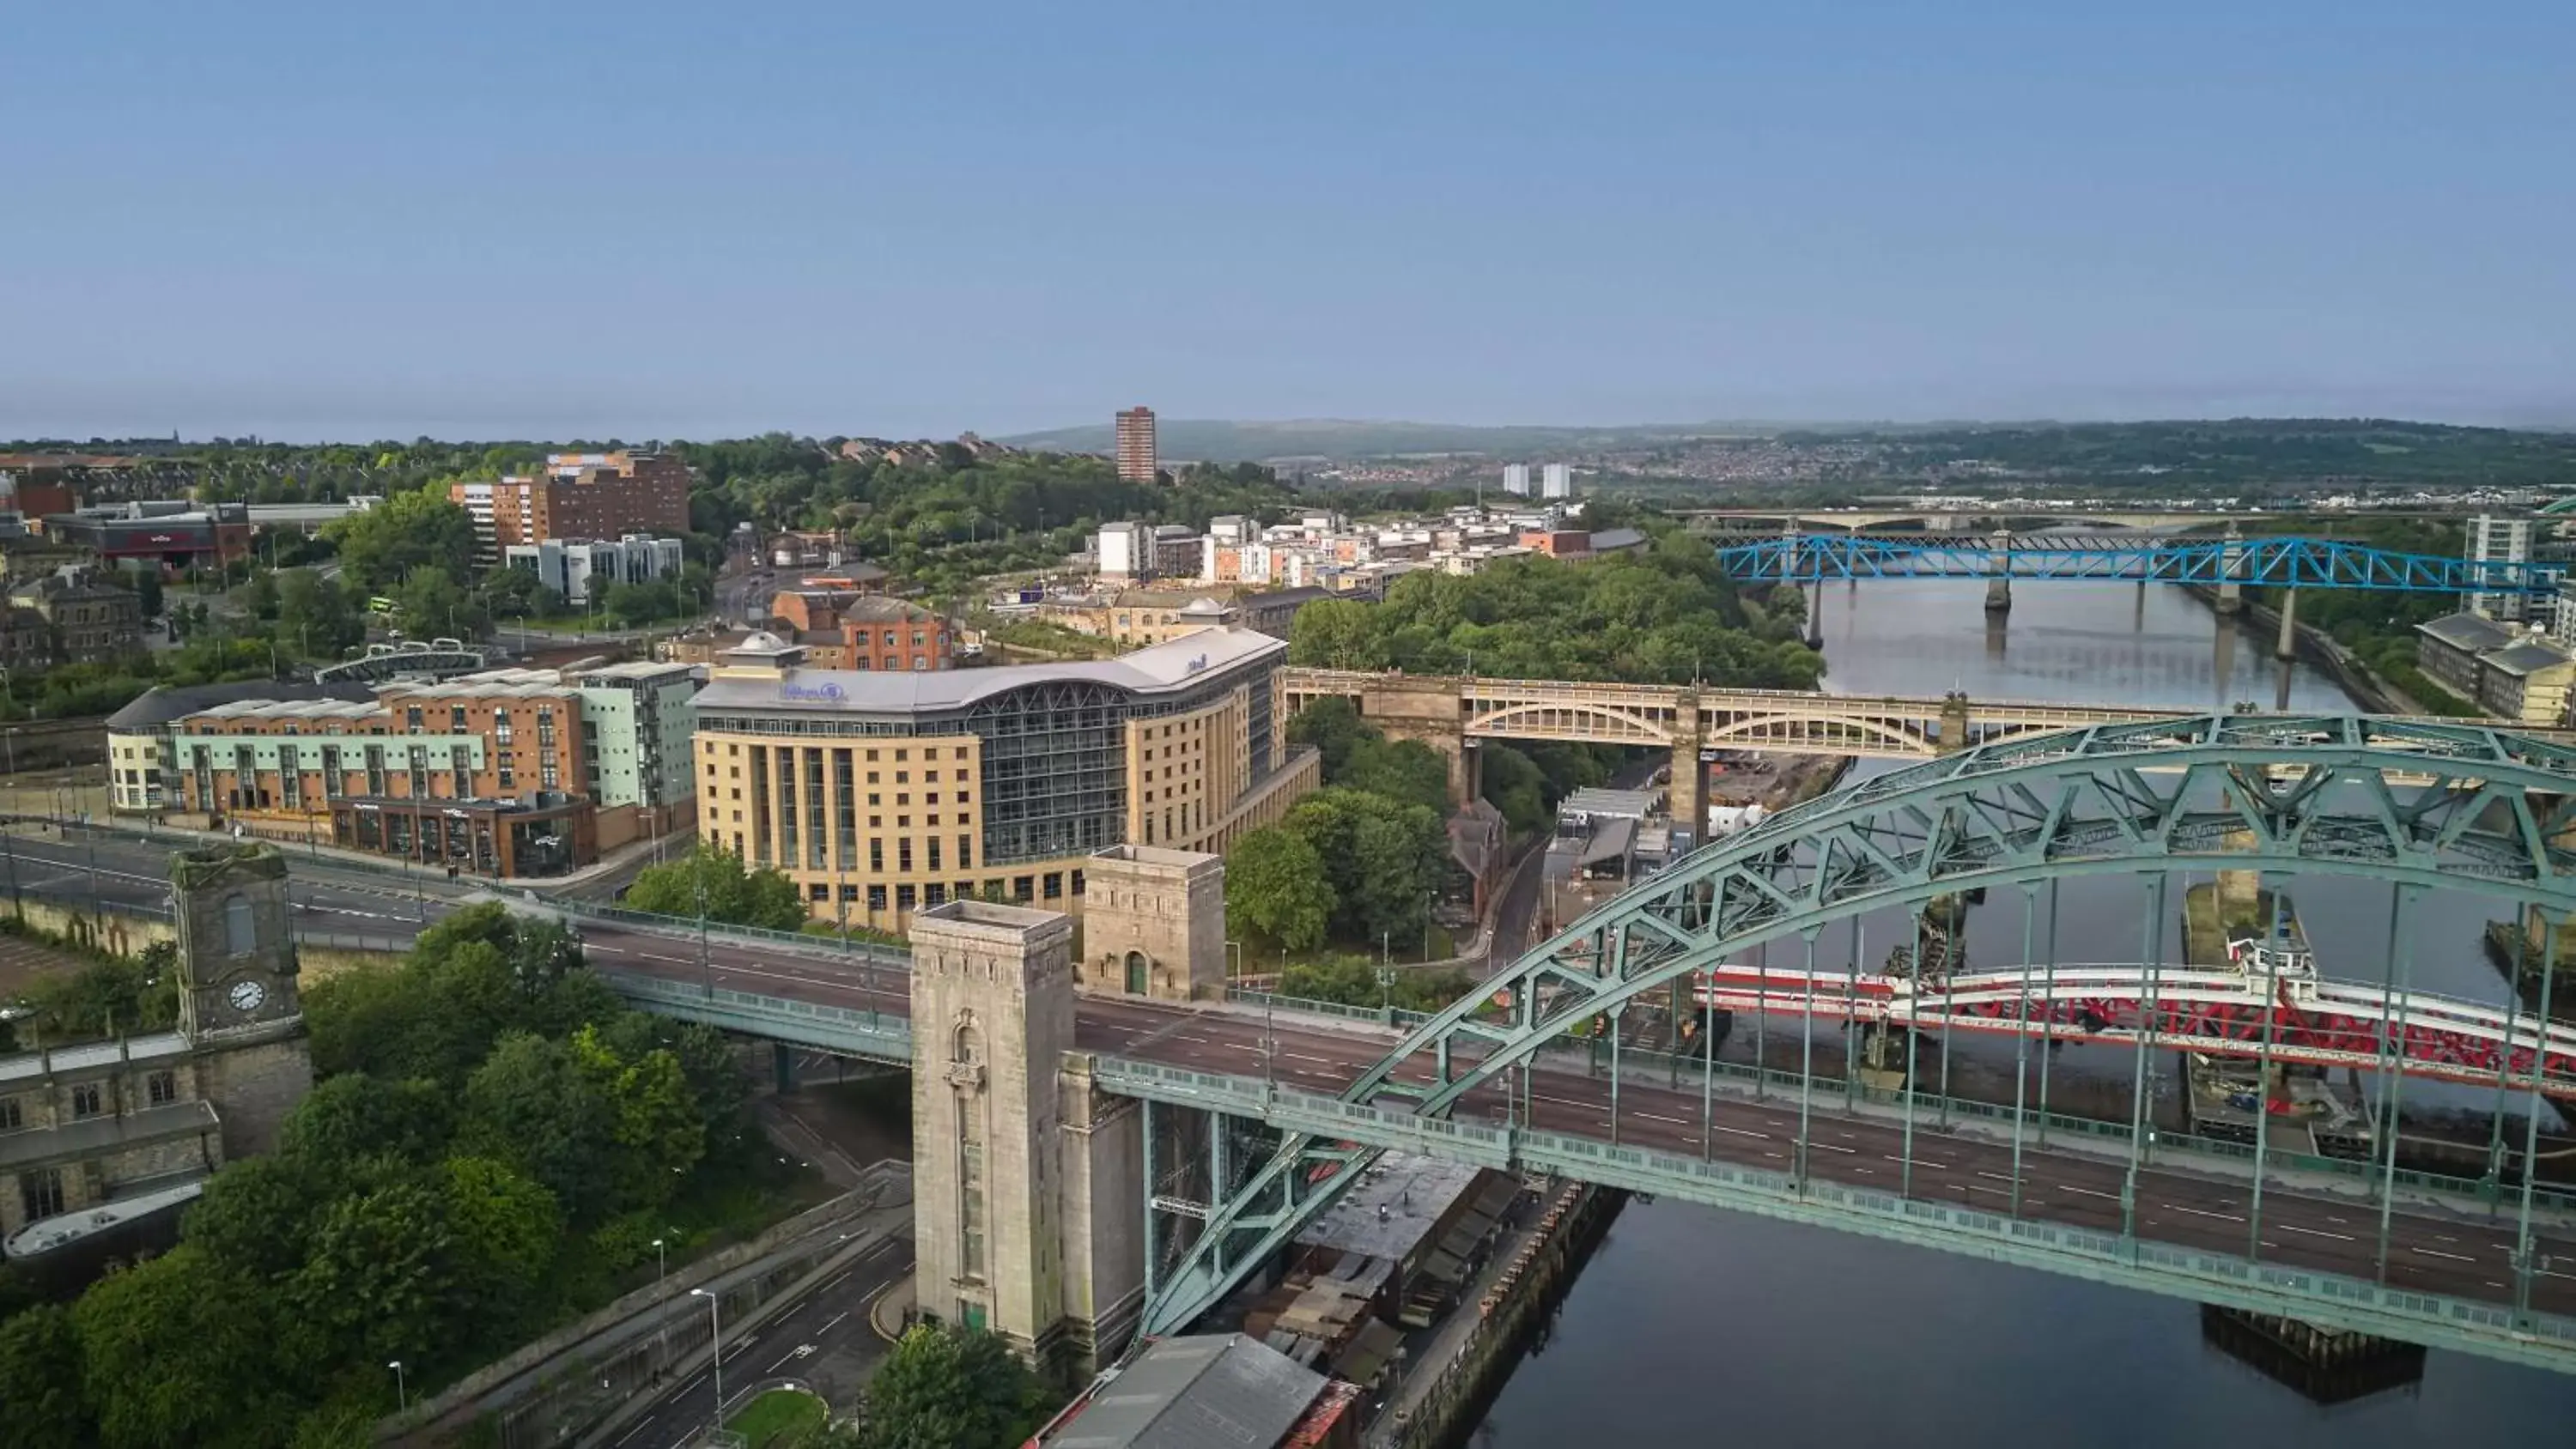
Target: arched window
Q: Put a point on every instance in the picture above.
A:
(970, 1045)
(240, 936)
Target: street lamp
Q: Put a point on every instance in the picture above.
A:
(715, 1338)
(402, 1389)
(662, 1318)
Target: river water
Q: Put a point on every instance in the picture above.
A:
(1695, 1326)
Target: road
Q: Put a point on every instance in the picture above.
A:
(824, 1342)
(119, 871)
(2433, 1248)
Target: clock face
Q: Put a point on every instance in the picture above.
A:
(246, 996)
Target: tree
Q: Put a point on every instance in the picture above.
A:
(1276, 884)
(379, 1277)
(1407, 771)
(951, 1388)
(430, 604)
(317, 614)
(657, 1121)
(40, 1381)
(353, 1116)
(260, 595)
(147, 587)
(713, 881)
(408, 531)
(1383, 858)
(182, 1350)
(532, 1105)
(507, 1230)
(1332, 726)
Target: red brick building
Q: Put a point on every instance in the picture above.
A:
(841, 630)
(581, 496)
(484, 773)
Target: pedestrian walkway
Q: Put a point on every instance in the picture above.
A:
(891, 1314)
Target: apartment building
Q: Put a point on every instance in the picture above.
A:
(579, 496)
(1136, 460)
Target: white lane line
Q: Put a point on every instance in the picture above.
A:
(835, 1283)
(2438, 1253)
(638, 1429)
(1731, 1131)
(682, 960)
(1677, 1121)
(2315, 1232)
(1831, 1147)
(1996, 1176)
(2200, 1212)
(831, 1323)
(2088, 1192)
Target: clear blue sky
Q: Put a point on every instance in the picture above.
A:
(683, 220)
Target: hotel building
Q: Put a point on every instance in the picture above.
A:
(883, 792)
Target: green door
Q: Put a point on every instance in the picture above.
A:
(1135, 973)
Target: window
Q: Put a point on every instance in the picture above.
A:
(41, 1192)
(934, 894)
(965, 852)
(85, 1099)
(9, 1119)
(876, 898)
(411, 719)
(456, 719)
(162, 1087)
(903, 898)
(240, 930)
(1055, 885)
(903, 854)
(933, 857)
(1023, 887)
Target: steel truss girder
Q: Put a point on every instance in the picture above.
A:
(2102, 800)
(2290, 562)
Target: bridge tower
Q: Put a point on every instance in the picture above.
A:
(1999, 573)
(1153, 924)
(1024, 1199)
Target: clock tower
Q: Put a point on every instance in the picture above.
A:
(238, 1005)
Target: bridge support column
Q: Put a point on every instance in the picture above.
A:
(1104, 1222)
(1954, 722)
(2231, 592)
(1999, 570)
(992, 1017)
(2288, 645)
(782, 1066)
(1687, 793)
(1153, 924)
(1816, 616)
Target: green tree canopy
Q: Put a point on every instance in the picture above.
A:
(406, 532)
(952, 1388)
(41, 1402)
(1277, 885)
(713, 880)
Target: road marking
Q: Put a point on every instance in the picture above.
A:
(834, 1321)
(1830, 1147)
(2437, 1253)
(682, 960)
(2315, 1232)
(2088, 1192)
(1996, 1176)
(1679, 1122)
(2200, 1212)
(1719, 1127)
(835, 1283)
(638, 1429)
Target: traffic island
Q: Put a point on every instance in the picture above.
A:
(891, 1314)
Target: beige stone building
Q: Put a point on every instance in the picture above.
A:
(881, 794)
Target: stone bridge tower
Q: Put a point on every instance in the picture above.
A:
(1027, 1218)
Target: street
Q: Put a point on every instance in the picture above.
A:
(824, 1343)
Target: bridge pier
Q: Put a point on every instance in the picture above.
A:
(2231, 592)
(2287, 648)
(1816, 616)
(1153, 924)
(1999, 573)
(1954, 722)
(1687, 792)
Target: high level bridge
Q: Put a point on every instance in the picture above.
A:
(1141, 1144)
(1454, 714)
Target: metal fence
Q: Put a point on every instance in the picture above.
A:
(839, 947)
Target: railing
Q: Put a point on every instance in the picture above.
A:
(865, 1031)
(843, 948)
(2333, 1300)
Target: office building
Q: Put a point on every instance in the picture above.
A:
(880, 793)
(1136, 458)
(2500, 541)
(579, 496)
(582, 570)
(1516, 479)
(1556, 480)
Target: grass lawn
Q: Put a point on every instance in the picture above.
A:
(777, 1412)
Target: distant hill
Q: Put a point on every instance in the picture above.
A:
(1219, 440)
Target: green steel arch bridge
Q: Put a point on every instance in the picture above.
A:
(2486, 1264)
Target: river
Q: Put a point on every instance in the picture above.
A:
(1695, 1326)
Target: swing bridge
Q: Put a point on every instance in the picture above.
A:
(1257, 1114)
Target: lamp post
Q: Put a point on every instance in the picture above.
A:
(402, 1388)
(715, 1341)
(662, 1312)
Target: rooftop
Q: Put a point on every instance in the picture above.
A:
(1208, 1391)
(1395, 1206)
(1157, 669)
(163, 703)
(2472, 632)
(2527, 656)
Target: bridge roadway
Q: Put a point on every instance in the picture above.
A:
(2434, 1247)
